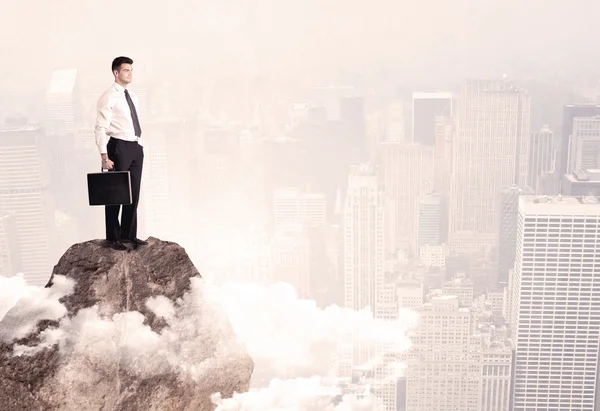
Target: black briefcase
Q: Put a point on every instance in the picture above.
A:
(109, 188)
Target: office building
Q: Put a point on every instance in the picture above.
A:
(555, 311)
(490, 149)
(427, 106)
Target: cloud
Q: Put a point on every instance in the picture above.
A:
(186, 346)
(294, 343)
(305, 394)
(31, 304)
(288, 337)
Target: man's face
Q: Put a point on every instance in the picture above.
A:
(125, 73)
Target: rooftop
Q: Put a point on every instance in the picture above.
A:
(553, 200)
(588, 175)
(559, 205)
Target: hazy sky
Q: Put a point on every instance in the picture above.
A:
(421, 38)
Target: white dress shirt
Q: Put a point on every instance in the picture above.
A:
(114, 117)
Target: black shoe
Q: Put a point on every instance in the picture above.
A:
(116, 245)
(136, 242)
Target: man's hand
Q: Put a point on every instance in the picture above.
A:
(107, 163)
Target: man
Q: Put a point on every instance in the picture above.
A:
(118, 137)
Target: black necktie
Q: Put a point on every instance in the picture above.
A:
(136, 121)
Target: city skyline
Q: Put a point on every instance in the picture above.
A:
(397, 205)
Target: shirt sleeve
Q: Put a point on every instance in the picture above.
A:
(103, 119)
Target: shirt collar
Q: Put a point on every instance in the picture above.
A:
(119, 87)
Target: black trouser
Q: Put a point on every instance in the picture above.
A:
(126, 155)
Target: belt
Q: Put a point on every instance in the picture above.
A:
(126, 141)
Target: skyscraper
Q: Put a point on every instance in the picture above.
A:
(291, 206)
(429, 218)
(9, 256)
(444, 363)
(407, 174)
(490, 152)
(571, 111)
(555, 312)
(363, 246)
(25, 193)
(64, 110)
(584, 148)
(426, 108)
(507, 228)
(541, 158)
(582, 183)
(363, 237)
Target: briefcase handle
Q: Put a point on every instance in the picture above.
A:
(102, 169)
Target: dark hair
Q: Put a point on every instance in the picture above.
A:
(116, 64)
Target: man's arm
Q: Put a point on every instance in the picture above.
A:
(103, 118)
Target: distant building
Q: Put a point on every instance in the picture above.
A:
(491, 151)
(64, 112)
(10, 260)
(429, 220)
(582, 183)
(570, 112)
(407, 174)
(427, 106)
(363, 247)
(541, 159)
(584, 148)
(25, 193)
(507, 228)
(454, 364)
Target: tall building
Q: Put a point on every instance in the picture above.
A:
(291, 206)
(64, 110)
(25, 193)
(426, 108)
(490, 152)
(445, 127)
(363, 246)
(570, 112)
(429, 220)
(299, 220)
(582, 183)
(394, 129)
(444, 364)
(457, 362)
(541, 158)
(407, 175)
(584, 149)
(385, 369)
(555, 312)
(291, 257)
(507, 228)
(10, 262)
(330, 97)
(352, 113)
(155, 212)
(497, 370)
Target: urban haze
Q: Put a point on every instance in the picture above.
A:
(397, 203)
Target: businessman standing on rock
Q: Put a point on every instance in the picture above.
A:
(118, 137)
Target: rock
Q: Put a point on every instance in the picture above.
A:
(116, 330)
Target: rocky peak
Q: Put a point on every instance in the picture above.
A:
(118, 330)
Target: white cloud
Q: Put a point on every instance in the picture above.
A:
(185, 346)
(301, 394)
(31, 304)
(288, 337)
(292, 342)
